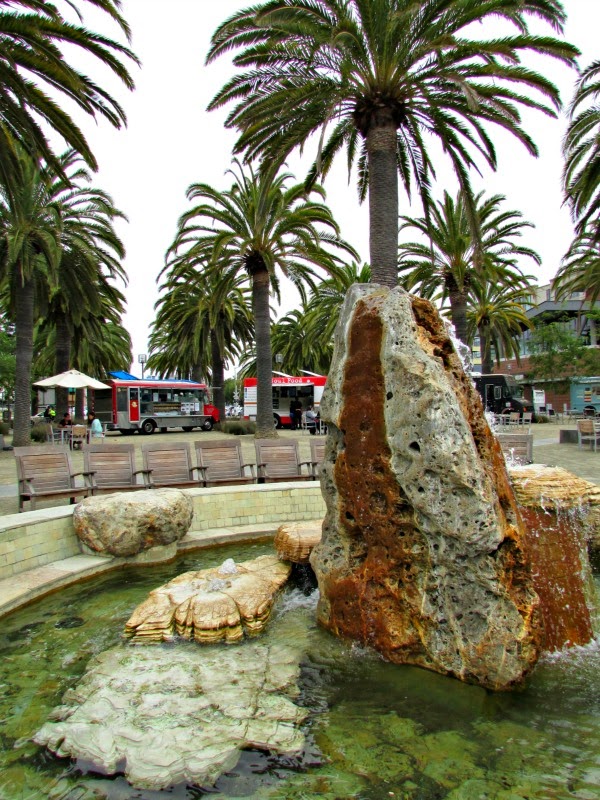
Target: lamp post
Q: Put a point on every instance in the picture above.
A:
(279, 359)
(142, 358)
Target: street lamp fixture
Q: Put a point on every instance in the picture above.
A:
(142, 358)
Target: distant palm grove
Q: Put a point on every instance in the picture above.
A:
(388, 84)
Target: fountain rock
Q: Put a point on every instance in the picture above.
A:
(211, 605)
(127, 523)
(294, 541)
(167, 715)
(562, 514)
(423, 554)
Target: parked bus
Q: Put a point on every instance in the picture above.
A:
(308, 389)
(501, 393)
(131, 404)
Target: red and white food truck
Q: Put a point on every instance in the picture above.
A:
(131, 404)
(308, 389)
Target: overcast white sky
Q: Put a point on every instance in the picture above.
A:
(171, 142)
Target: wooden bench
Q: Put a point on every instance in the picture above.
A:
(169, 464)
(111, 467)
(317, 454)
(221, 462)
(46, 472)
(279, 460)
(518, 447)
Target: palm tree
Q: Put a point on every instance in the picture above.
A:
(34, 36)
(200, 325)
(29, 249)
(450, 264)
(383, 77)
(496, 313)
(581, 147)
(256, 228)
(324, 306)
(98, 343)
(91, 253)
(580, 268)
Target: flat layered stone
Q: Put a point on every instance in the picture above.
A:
(211, 605)
(128, 523)
(174, 714)
(423, 555)
(294, 541)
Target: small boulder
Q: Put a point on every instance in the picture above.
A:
(125, 524)
(294, 541)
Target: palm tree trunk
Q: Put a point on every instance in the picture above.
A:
(198, 372)
(218, 373)
(83, 397)
(485, 349)
(458, 313)
(383, 203)
(24, 358)
(62, 362)
(264, 358)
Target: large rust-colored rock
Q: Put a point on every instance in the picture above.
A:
(211, 605)
(423, 551)
(295, 541)
(560, 510)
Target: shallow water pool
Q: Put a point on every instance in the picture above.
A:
(374, 730)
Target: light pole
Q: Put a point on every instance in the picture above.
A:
(142, 358)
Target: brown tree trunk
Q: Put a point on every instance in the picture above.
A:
(485, 348)
(383, 203)
(458, 312)
(218, 375)
(24, 358)
(62, 362)
(264, 358)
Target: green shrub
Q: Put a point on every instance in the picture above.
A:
(238, 427)
(39, 432)
(542, 418)
(4, 428)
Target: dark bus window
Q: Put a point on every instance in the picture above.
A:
(122, 400)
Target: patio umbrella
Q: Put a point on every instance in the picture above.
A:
(72, 379)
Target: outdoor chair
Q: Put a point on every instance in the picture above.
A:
(111, 467)
(526, 419)
(587, 433)
(517, 447)
(279, 460)
(54, 435)
(222, 462)
(317, 454)
(45, 473)
(79, 436)
(169, 465)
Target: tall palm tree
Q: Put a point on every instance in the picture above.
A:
(34, 39)
(29, 249)
(580, 268)
(384, 77)
(91, 253)
(200, 325)
(258, 227)
(497, 314)
(581, 149)
(449, 263)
